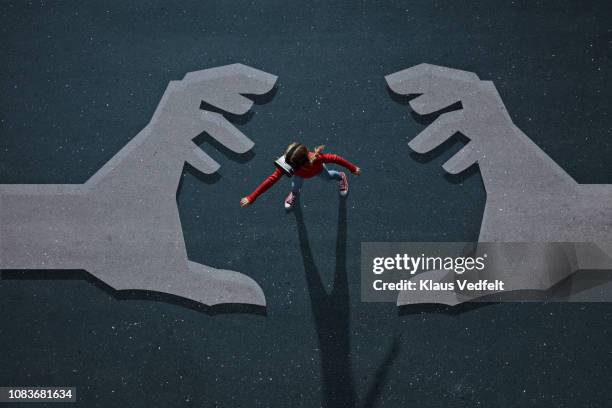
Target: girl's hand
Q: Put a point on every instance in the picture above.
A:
(357, 171)
(245, 202)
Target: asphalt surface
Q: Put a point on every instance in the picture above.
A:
(81, 79)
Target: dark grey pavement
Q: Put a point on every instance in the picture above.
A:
(79, 80)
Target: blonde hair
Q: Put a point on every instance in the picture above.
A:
(317, 152)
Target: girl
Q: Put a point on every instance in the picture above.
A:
(305, 164)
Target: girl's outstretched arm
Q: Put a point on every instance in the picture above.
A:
(267, 183)
(339, 160)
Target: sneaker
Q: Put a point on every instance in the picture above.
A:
(343, 185)
(290, 201)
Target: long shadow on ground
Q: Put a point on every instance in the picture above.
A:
(332, 320)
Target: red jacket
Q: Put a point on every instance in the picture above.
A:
(306, 171)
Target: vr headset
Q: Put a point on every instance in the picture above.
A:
(281, 163)
(285, 167)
